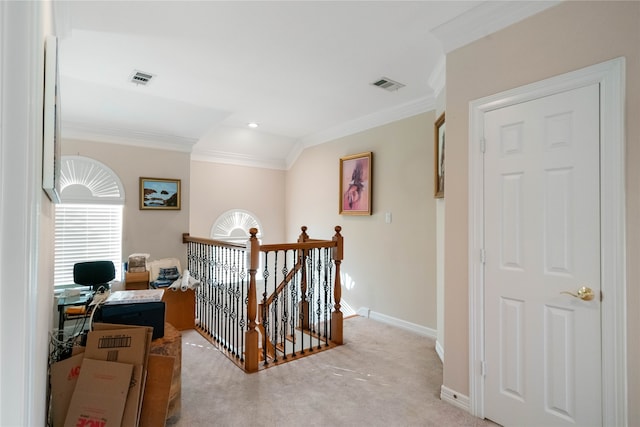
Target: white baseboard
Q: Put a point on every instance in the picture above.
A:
(421, 330)
(363, 311)
(454, 398)
(440, 351)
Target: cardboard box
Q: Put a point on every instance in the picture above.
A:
(137, 263)
(136, 280)
(64, 375)
(100, 394)
(157, 391)
(180, 308)
(124, 344)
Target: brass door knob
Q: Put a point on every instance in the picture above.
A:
(584, 293)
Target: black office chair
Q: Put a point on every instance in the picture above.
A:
(96, 274)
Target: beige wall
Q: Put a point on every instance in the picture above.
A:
(158, 233)
(567, 37)
(217, 188)
(389, 268)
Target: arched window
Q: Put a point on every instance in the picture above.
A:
(233, 226)
(88, 219)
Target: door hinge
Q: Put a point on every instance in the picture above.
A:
(483, 144)
(482, 256)
(483, 368)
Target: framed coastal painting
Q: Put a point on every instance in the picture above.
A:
(355, 184)
(438, 150)
(159, 194)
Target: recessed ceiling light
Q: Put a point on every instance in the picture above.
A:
(253, 125)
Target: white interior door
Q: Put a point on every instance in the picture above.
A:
(542, 238)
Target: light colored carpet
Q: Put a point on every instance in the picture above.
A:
(381, 376)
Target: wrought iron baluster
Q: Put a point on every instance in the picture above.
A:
(326, 293)
(306, 290)
(231, 300)
(229, 296)
(264, 312)
(202, 272)
(319, 293)
(226, 298)
(245, 301)
(330, 302)
(218, 301)
(234, 317)
(211, 295)
(314, 300)
(274, 310)
(197, 266)
(296, 303)
(236, 294)
(286, 309)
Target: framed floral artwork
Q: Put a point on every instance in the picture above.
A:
(355, 184)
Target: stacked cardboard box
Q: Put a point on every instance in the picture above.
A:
(106, 383)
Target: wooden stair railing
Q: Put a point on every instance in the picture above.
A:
(256, 335)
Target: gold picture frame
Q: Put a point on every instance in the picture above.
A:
(356, 184)
(438, 155)
(159, 194)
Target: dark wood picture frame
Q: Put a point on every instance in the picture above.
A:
(159, 194)
(356, 184)
(438, 155)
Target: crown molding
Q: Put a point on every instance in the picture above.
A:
(437, 79)
(361, 124)
(293, 155)
(370, 121)
(235, 159)
(82, 131)
(485, 19)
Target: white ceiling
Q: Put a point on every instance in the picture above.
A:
(301, 69)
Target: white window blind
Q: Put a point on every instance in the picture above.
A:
(86, 232)
(88, 222)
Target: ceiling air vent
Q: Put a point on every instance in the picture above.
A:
(388, 84)
(141, 78)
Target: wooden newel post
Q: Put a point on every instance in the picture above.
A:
(251, 335)
(303, 236)
(336, 316)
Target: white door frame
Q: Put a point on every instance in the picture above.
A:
(611, 77)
